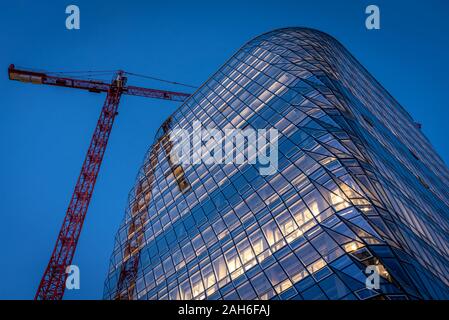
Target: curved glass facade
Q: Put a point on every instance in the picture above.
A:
(357, 185)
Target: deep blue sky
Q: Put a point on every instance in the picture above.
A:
(45, 131)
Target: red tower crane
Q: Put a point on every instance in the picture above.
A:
(52, 284)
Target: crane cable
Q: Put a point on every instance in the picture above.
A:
(90, 74)
(161, 80)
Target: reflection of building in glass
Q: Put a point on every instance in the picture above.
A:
(358, 185)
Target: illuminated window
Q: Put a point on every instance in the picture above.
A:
(232, 260)
(272, 233)
(275, 274)
(220, 268)
(185, 291)
(246, 253)
(197, 285)
(208, 276)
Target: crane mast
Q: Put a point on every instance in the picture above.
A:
(52, 284)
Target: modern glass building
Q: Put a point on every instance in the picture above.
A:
(357, 185)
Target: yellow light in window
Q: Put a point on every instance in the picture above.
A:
(299, 276)
(382, 271)
(352, 246)
(247, 255)
(335, 199)
(283, 286)
(237, 273)
(314, 208)
(288, 227)
(209, 280)
(270, 237)
(233, 264)
(211, 290)
(258, 246)
(197, 288)
(220, 268)
(317, 265)
(294, 235)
